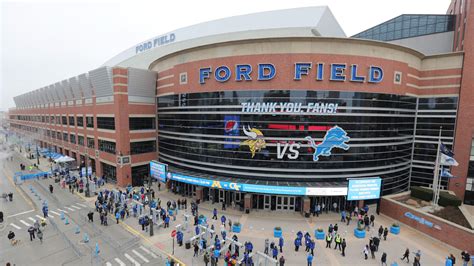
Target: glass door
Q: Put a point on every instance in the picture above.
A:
(266, 202)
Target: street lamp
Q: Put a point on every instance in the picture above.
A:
(37, 155)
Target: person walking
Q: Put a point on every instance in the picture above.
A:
(372, 248)
(343, 246)
(223, 219)
(40, 236)
(117, 216)
(51, 189)
(275, 253)
(383, 259)
(380, 231)
(297, 243)
(206, 258)
(309, 259)
(406, 255)
(214, 213)
(372, 220)
(282, 261)
(312, 244)
(466, 257)
(385, 233)
(281, 243)
(90, 215)
(196, 249)
(31, 231)
(366, 252)
(267, 244)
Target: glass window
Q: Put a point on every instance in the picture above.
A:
(72, 137)
(109, 171)
(90, 143)
(65, 137)
(64, 120)
(80, 140)
(142, 147)
(90, 121)
(141, 123)
(107, 146)
(80, 121)
(71, 121)
(106, 123)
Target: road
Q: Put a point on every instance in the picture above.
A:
(63, 244)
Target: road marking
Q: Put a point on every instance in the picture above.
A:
(120, 262)
(31, 219)
(39, 216)
(20, 213)
(62, 210)
(140, 256)
(54, 212)
(16, 226)
(25, 223)
(132, 260)
(69, 208)
(82, 205)
(108, 264)
(75, 207)
(148, 252)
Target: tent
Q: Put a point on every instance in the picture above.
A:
(64, 159)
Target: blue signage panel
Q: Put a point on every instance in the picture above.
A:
(231, 128)
(158, 171)
(364, 188)
(281, 190)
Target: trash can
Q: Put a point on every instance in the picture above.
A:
(247, 211)
(187, 244)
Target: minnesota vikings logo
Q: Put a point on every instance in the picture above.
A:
(255, 142)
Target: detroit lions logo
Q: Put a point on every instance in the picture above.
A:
(335, 137)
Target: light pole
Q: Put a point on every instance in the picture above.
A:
(86, 164)
(37, 155)
(149, 204)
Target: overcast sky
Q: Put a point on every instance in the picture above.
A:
(46, 42)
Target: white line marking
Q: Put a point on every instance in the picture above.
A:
(31, 219)
(25, 223)
(75, 207)
(82, 205)
(55, 212)
(16, 226)
(120, 262)
(140, 256)
(148, 252)
(41, 217)
(20, 213)
(62, 210)
(108, 264)
(69, 208)
(132, 260)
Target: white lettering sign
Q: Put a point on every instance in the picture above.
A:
(289, 107)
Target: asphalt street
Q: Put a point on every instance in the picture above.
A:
(63, 244)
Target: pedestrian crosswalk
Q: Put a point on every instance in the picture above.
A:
(26, 222)
(136, 257)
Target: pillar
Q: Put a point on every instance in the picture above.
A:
(248, 201)
(199, 194)
(306, 205)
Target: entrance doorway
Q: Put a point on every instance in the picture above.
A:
(329, 203)
(275, 202)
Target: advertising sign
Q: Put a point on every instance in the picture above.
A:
(364, 188)
(421, 220)
(89, 171)
(231, 128)
(158, 171)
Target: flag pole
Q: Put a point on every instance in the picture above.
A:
(436, 171)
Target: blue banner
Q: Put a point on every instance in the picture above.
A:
(158, 171)
(364, 188)
(231, 128)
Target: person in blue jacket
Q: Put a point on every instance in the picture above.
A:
(275, 253)
(281, 243)
(310, 259)
(179, 238)
(311, 246)
(250, 247)
(223, 220)
(214, 213)
(297, 244)
(217, 245)
(197, 229)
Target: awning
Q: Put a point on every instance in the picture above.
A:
(64, 159)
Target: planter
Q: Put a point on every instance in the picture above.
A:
(202, 220)
(395, 230)
(277, 233)
(236, 228)
(320, 235)
(359, 233)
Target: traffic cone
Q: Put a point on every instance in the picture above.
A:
(85, 238)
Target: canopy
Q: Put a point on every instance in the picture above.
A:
(64, 159)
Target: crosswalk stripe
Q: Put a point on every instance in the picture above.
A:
(62, 210)
(148, 252)
(41, 217)
(108, 264)
(31, 219)
(75, 207)
(55, 212)
(82, 205)
(131, 259)
(120, 262)
(140, 256)
(16, 226)
(69, 208)
(25, 223)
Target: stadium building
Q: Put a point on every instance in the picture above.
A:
(275, 110)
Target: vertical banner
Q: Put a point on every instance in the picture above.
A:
(231, 128)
